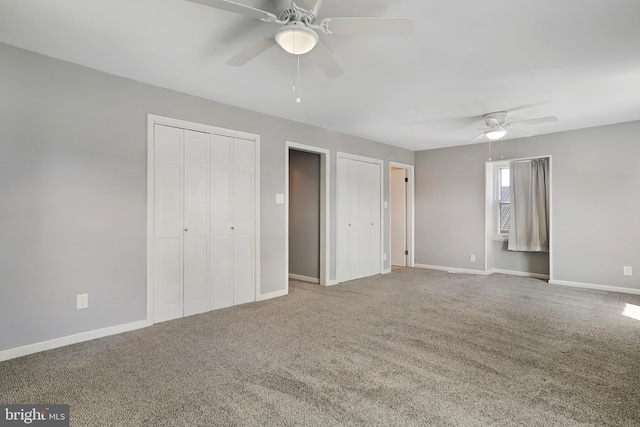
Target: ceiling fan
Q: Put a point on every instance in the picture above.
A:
(298, 32)
(497, 126)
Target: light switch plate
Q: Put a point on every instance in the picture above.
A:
(279, 199)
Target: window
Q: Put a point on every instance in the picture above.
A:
(503, 196)
(501, 201)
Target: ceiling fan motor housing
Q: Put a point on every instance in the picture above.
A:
(495, 119)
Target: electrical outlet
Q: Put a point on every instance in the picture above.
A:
(82, 301)
(472, 258)
(627, 271)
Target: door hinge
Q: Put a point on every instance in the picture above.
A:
(406, 252)
(406, 179)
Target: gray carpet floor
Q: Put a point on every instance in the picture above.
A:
(414, 347)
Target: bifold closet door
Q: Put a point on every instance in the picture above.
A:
(196, 222)
(232, 221)
(181, 162)
(359, 223)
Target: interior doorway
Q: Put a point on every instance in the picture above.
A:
(306, 206)
(401, 214)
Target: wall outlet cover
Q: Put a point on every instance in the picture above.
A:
(627, 270)
(82, 301)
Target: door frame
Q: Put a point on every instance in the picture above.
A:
(342, 155)
(325, 167)
(410, 209)
(153, 120)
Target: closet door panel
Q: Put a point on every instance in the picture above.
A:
(196, 223)
(244, 222)
(221, 271)
(243, 271)
(168, 217)
(222, 227)
(169, 291)
(373, 174)
(343, 271)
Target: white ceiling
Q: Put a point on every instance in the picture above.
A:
(578, 60)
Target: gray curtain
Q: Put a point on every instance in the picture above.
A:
(529, 202)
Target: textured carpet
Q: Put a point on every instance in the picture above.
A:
(414, 347)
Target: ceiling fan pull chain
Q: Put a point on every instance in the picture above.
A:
(298, 100)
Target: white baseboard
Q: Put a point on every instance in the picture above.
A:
(518, 273)
(304, 278)
(12, 353)
(332, 283)
(270, 295)
(451, 269)
(386, 271)
(632, 291)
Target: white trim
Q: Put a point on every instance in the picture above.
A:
(452, 269)
(619, 289)
(304, 278)
(325, 204)
(12, 353)
(379, 162)
(341, 154)
(151, 260)
(412, 213)
(332, 283)
(551, 239)
(271, 295)
(518, 273)
(153, 120)
(386, 271)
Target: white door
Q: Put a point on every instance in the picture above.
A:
(232, 221)
(181, 222)
(196, 222)
(398, 217)
(204, 222)
(243, 222)
(359, 220)
(169, 233)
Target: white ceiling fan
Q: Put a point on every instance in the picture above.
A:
(497, 126)
(298, 32)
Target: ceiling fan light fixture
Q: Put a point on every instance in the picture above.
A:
(296, 38)
(495, 134)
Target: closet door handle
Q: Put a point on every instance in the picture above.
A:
(186, 229)
(232, 228)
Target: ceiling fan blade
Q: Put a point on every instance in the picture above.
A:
(524, 132)
(242, 9)
(252, 51)
(478, 138)
(325, 61)
(536, 121)
(369, 26)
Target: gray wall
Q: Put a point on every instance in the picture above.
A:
(529, 262)
(595, 203)
(449, 206)
(304, 213)
(73, 189)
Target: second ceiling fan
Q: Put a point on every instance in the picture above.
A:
(298, 32)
